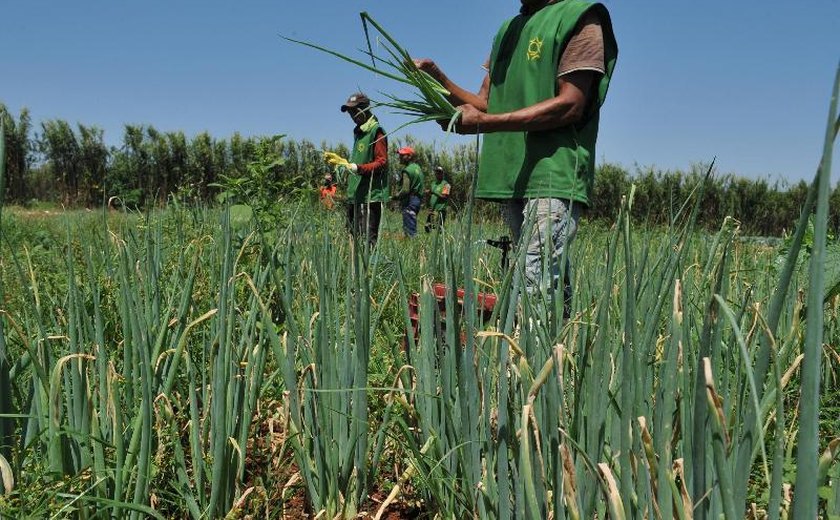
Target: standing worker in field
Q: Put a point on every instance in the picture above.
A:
(539, 105)
(410, 189)
(328, 192)
(367, 184)
(438, 200)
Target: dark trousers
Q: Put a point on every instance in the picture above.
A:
(435, 220)
(363, 220)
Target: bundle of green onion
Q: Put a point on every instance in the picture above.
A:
(430, 104)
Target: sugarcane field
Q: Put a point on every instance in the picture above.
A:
(362, 260)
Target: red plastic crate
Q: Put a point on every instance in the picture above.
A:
(485, 301)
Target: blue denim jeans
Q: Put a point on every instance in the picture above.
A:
(552, 224)
(409, 215)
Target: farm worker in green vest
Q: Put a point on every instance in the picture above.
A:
(411, 188)
(539, 104)
(438, 199)
(367, 183)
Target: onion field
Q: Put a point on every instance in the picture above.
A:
(187, 362)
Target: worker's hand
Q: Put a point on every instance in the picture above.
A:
(333, 159)
(470, 120)
(429, 67)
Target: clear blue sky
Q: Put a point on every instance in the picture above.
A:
(748, 82)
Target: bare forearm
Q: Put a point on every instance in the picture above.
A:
(461, 96)
(566, 108)
(546, 115)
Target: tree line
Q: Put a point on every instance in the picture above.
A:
(71, 164)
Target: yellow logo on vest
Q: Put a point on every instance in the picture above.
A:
(535, 49)
(361, 147)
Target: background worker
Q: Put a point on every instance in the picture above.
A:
(438, 200)
(539, 104)
(328, 191)
(410, 189)
(367, 183)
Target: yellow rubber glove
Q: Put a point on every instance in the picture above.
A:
(333, 159)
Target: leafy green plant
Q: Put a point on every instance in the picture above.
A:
(261, 190)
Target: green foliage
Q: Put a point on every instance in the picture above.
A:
(305, 298)
(19, 150)
(430, 102)
(831, 260)
(74, 167)
(136, 352)
(262, 189)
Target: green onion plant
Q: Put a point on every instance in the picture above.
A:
(430, 101)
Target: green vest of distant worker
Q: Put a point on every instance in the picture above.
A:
(415, 177)
(436, 200)
(364, 188)
(557, 163)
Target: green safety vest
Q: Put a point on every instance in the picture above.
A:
(523, 71)
(415, 176)
(359, 187)
(436, 202)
